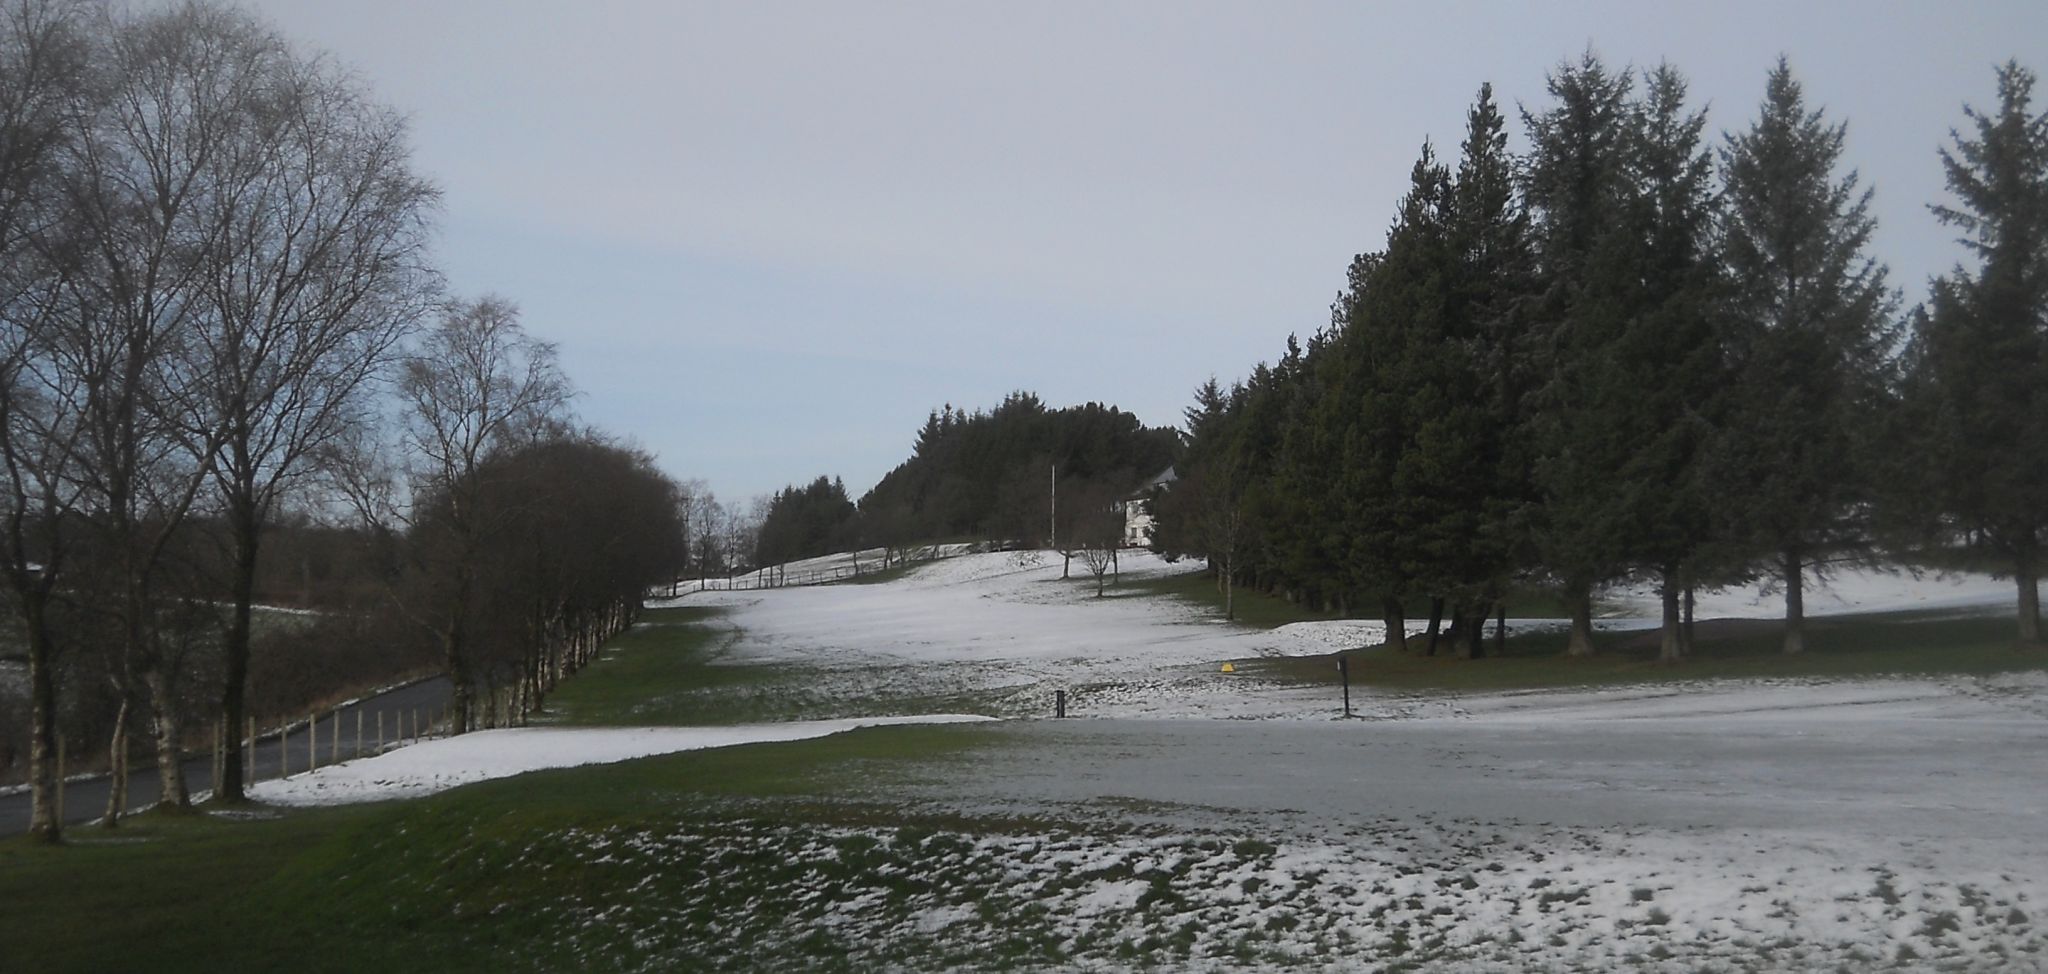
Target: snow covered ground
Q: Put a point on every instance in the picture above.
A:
(1791, 824)
(1004, 628)
(1838, 592)
(1754, 825)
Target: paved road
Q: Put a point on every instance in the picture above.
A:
(85, 801)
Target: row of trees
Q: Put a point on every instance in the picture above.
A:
(1017, 473)
(805, 522)
(997, 474)
(214, 279)
(1633, 354)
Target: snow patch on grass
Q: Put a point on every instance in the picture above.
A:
(1452, 895)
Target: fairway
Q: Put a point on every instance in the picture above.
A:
(1862, 805)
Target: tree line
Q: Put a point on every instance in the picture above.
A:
(1636, 352)
(1020, 473)
(219, 314)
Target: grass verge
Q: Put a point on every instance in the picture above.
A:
(503, 875)
(672, 670)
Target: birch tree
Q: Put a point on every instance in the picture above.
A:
(45, 55)
(476, 382)
(314, 268)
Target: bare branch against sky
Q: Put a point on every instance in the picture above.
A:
(770, 237)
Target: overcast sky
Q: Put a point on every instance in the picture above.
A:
(770, 237)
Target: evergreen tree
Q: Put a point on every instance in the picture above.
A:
(1672, 348)
(1634, 350)
(1578, 186)
(806, 522)
(1980, 363)
(1809, 339)
(988, 473)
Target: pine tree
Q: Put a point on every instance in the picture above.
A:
(1810, 339)
(1672, 347)
(1981, 353)
(1578, 186)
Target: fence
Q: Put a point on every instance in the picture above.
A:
(767, 578)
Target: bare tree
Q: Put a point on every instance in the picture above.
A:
(314, 269)
(477, 382)
(185, 84)
(1096, 530)
(44, 82)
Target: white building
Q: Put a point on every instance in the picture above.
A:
(1137, 510)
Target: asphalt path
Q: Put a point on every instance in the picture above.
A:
(86, 801)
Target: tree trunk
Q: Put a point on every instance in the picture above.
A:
(1397, 624)
(1687, 645)
(460, 695)
(1066, 563)
(2027, 576)
(1436, 621)
(235, 656)
(1469, 628)
(1668, 645)
(1229, 595)
(1500, 627)
(1795, 605)
(164, 714)
(43, 825)
(117, 766)
(1580, 601)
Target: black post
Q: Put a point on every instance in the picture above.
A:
(1344, 673)
(1059, 703)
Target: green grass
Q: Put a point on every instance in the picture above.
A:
(1896, 644)
(472, 879)
(667, 671)
(673, 671)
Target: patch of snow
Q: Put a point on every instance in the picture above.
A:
(1839, 591)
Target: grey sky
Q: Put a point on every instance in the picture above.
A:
(769, 237)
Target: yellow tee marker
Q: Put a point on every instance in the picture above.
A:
(1230, 667)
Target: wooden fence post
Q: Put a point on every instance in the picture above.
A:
(1344, 674)
(312, 742)
(334, 741)
(359, 730)
(380, 732)
(60, 782)
(249, 754)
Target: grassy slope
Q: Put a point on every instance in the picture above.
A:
(672, 671)
(665, 671)
(472, 879)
